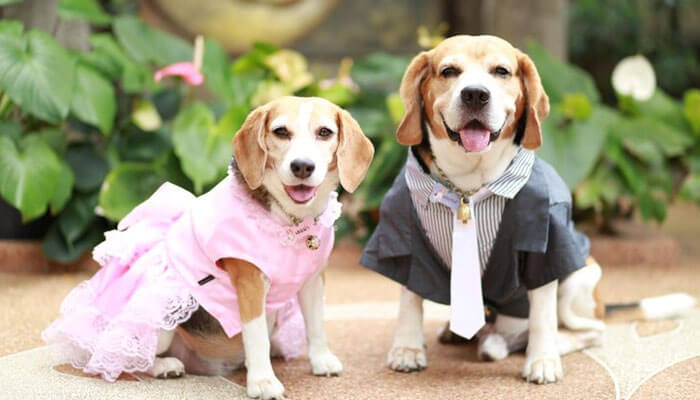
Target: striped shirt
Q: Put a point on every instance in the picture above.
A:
(487, 206)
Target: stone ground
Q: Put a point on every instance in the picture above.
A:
(638, 360)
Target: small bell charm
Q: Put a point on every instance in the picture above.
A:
(464, 213)
(313, 242)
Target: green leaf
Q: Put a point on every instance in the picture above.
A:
(38, 74)
(63, 190)
(338, 94)
(576, 106)
(203, 152)
(691, 109)
(88, 166)
(691, 188)
(379, 70)
(94, 100)
(78, 216)
(145, 44)
(395, 107)
(57, 248)
(11, 129)
(107, 56)
(54, 137)
(28, 175)
(88, 10)
(11, 27)
(245, 84)
(8, 2)
(231, 121)
(146, 117)
(127, 186)
(574, 147)
(663, 108)
(559, 78)
(670, 140)
(215, 67)
(375, 123)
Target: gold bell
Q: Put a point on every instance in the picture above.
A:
(313, 242)
(464, 213)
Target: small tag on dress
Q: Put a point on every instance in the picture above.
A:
(444, 196)
(205, 280)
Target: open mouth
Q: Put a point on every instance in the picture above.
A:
(301, 194)
(474, 136)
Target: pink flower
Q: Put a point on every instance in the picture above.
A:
(185, 70)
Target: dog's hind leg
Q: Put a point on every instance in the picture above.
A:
(165, 367)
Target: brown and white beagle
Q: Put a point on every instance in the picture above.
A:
(471, 103)
(291, 152)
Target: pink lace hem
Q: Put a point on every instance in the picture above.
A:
(126, 342)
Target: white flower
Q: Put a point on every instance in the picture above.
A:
(634, 76)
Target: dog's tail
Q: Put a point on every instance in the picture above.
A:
(661, 307)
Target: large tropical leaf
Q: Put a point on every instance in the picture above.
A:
(202, 149)
(559, 78)
(88, 166)
(573, 147)
(126, 186)
(94, 100)
(145, 44)
(28, 175)
(88, 10)
(37, 73)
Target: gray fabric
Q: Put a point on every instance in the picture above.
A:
(437, 219)
(536, 244)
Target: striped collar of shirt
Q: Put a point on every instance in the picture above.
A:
(487, 205)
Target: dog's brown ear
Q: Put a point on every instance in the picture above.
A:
(249, 147)
(354, 152)
(409, 132)
(536, 102)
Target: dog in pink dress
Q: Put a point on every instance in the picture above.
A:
(198, 284)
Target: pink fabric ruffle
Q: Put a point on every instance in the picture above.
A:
(110, 323)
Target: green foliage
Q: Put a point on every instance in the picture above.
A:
(31, 175)
(38, 74)
(616, 158)
(88, 10)
(93, 99)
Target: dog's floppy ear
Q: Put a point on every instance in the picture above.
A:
(536, 102)
(249, 147)
(409, 132)
(354, 152)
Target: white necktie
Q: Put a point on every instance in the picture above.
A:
(467, 304)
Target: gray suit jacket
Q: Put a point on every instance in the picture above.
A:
(536, 244)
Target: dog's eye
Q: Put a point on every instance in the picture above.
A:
(449, 72)
(324, 132)
(501, 71)
(281, 132)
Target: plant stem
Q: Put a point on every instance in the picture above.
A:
(5, 104)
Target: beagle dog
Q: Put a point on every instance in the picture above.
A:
(234, 276)
(474, 107)
(291, 153)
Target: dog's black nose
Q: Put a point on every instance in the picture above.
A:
(302, 168)
(475, 96)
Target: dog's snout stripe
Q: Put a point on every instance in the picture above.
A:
(437, 219)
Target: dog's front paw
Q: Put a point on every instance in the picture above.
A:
(166, 368)
(325, 363)
(265, 388)
(543, 369)
(406, 359)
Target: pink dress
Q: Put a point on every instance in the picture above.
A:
(160, 265)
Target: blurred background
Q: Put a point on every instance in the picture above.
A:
(86, 132)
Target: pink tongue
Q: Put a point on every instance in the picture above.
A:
(300, 193)
(475, 139)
